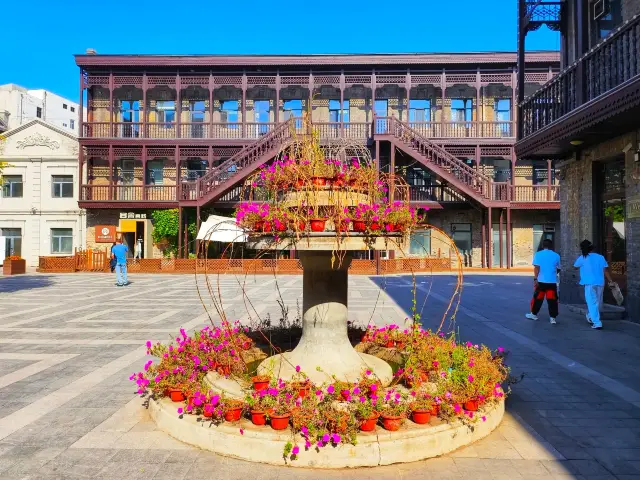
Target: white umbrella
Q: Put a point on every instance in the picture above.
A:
(221, 229)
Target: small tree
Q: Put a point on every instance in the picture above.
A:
(165, 230)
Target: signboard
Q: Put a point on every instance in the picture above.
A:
(633, 206)
(128, 226)
(132, 215)
(105, 233)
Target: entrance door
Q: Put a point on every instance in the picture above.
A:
(610, 221)
(381, 110)
(261, 109)
(495, 248)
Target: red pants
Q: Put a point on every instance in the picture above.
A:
(548, 291)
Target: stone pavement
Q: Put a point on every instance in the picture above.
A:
(69, 342)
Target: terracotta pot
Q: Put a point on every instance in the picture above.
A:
(421, 416)
(303, 389)
(338, 182)
(317, 224)
(258, 417)
(471, 405)
(345, 394)
(301, 225)
(389, 227)
(390, 344)
(233, 414)
(359, 226)
(266, 227)
(176, 395)
(375, 226)
(280, 422)
(391, 422)
(260, 384)
(319, 181)
(435, 410)
(281, 227)
(369, 425)
(258, 226)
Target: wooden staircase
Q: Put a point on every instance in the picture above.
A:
(454, 171)
(237, 168)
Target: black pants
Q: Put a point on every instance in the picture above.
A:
(548, 291)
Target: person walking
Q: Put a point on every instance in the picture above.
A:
(138, 249)
(112, 259)
(120, 254)
(546, 265)
(593, 269)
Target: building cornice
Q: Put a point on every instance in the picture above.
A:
(543, 57)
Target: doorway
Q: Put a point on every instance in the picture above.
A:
(495, 245)
(609, 221)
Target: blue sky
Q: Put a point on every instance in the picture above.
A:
(41, 36)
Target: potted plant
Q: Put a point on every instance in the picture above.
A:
(252, 216)
(365, 411)
(14, 265)
(232, 409)
(260, 382)
(421, 406)
(393, 411)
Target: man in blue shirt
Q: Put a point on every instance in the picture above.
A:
(119, 252)
(546, 265)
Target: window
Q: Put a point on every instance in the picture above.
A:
(155, 175)
(420, 243)
(130, 113)
(73, 109)
(502, 110)
(64, 106)
(12, 241)
(166, 112)
(64, 124)
(380, 110)
(539, 168)
(337, 114)
(12, 186)
(461, 234)
(229, 113)
(72, 124)
(605, 16)
(62, 186)
(293, 108)
(461, 110)
(61, 240)
(261, 115)
(39, 112)
(197, 111)
(419, 111)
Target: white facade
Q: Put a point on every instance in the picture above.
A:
(19, 106)
(39, 196)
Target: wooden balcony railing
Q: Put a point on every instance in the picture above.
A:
(434, 193)
(254, 131)
(611, 63)
(128, 193)
(535, 193)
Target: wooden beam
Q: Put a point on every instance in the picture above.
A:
(490, 239)
(509, 259)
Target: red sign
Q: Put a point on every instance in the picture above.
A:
(105, 233)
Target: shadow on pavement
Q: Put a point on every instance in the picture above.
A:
(16, 283)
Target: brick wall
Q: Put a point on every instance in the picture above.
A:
(630, 8)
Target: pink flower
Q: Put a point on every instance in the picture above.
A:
(148, 344)
(295, 450)
(500, 349)
(335, 438)
(297, 370)
(457, 408)
(325, 438)
(484, 419)
(180, 411)
(330, 389)
(470, 378)
(373, 387)
(241, 431)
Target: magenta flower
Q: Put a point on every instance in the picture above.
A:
(373, 387)
(241, 431)
(500, 349)
(330, 389)
(457, 408)
(180, 411)
(295, 450)
(470, 378)
(307, 444)
(335, 438)
(297, 370)
(326, 438)
(148, 344)
(484, 419)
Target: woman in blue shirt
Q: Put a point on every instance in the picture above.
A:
(593, 269)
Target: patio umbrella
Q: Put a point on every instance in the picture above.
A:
(221, 229)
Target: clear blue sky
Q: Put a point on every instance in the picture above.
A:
(40, 36)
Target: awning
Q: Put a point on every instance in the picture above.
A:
(221, 229)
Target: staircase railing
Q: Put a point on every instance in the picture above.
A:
(478, 182)
(245, 158)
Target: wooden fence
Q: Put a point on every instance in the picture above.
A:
(88, 261)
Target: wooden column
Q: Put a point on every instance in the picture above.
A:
(392, 171)
(179, 254)
(407, 87)
(80, 171)
(490, 239)
(244, 105)
(377, 159)
(144, 172)
(479, 133)
(277, 105)
(209, 158)
(310, 106)
(111, 132)
(178, 107)
(509, 260)
(197, 231)
(342, 86)
(178, 176)
(110, 190)
(483, 251)
(443, 87)
(373, 102)
(145, 87)
(500, 238)
(514, 109)
(548, 180)
(212, 87)
(81, 109)
(522, 25)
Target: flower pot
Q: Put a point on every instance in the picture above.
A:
(359, 226)
(435, 410)
(471, 405)
(258, 226)
(233, 414)
(258, 417)
(266, 228)
(375, 226)
(390, 344)
(260, 384)
(391, 422)
(319, 181)
(317, 225)
(176, 395)
(14, 267)
(303, 389)
(369, 425)
(281, 227)
(338, 182)
(421, 416)
(280, 422)
(345, 394)
(301, 225)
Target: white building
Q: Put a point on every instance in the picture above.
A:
(19, 106)
(39, 214)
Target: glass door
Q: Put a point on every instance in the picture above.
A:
(495, 249)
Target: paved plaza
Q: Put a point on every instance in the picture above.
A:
(68, 344)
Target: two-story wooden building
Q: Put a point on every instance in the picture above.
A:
(184, 131)
(588, 119)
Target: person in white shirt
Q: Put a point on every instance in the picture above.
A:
(546, 265)
(138, 249)
(593, 269)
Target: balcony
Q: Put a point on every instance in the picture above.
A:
(598, 94)
(112, 196)
(253, 131)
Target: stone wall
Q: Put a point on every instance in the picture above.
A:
(577, 215)
(629, 9)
